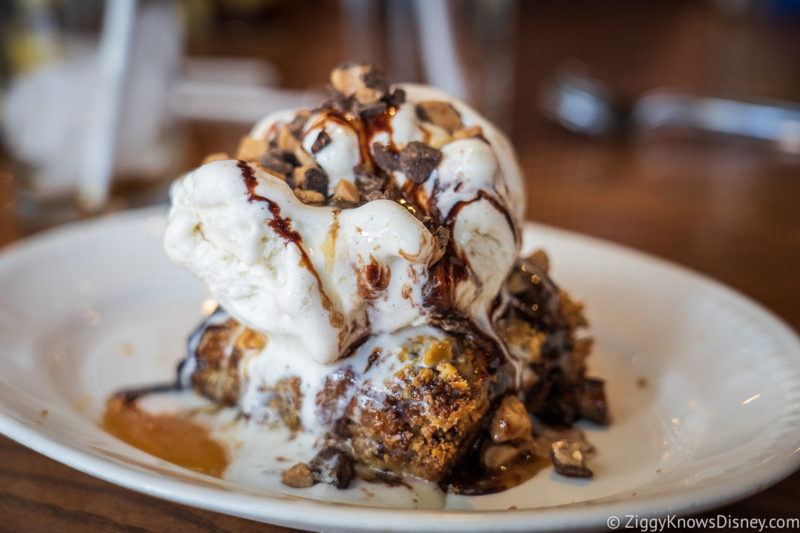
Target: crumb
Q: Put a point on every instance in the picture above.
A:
(642, 382)
(658, 471)
(282, 459)
(43, 414)
(127, 348)
(633, 493)
(512, 508)
(298, 476)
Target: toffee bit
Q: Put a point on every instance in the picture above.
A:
(385, 157)
(417, 161)
(568, 459)
(441, 236)
(510, 421)
(540, 260)
(298, 476)
(250, 149)
(299, 176)
(309, 197)
(346, 191)
(363, 82)
(322, 140)
(468, 133)
(375, 79)
(439, 113)
(368, 184)
(396, 97)
(303, 157)
(286, 141)
(298, 122)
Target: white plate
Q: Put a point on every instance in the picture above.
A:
(92, 307)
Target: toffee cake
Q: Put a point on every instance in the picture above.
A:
(365, 257)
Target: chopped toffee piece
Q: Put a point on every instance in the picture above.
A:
(439, 113)
(418, 160)
(385, 157)
(568, 459)
(468, 133)
(299, 476)
(511, 421)
(364, 82)
(298, 122)
(250, 149)
(441, 237)
(346, 191)
(370, 185)
(309, 197)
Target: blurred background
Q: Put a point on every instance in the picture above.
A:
(668, 125)
(672, 126)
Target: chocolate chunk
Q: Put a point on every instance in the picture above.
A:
(316, 180)
(298, 122)
(339, 102)
(368, 110)
(277, 161)
(593, 405)
(568, 459)
(368, 184)
(418, 160)
(396, 97)
(375, 79)
(333, 466)
(322, 140)
(385, 157)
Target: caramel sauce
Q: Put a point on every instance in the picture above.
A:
(469, 479)
(170, 437)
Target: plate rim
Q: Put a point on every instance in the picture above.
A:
(293, 511)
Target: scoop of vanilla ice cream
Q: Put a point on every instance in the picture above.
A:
(316, 280)
(291, 270)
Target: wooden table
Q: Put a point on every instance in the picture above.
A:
(728, 209)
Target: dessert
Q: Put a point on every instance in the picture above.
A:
(365, 258)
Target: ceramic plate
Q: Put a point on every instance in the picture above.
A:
(704, 384)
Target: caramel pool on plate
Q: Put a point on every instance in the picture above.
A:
(173, 438)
